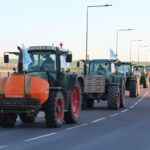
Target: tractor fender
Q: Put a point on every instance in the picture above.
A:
(73, 79)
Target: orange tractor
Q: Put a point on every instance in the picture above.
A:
(47, 85)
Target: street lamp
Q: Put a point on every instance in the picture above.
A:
(87, 26)
(131, 41)
(139, 50)
(117, 38)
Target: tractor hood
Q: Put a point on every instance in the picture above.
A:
(20, 86)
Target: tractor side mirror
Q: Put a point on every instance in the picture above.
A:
(78, 64)
(6, 58)
(69, 58)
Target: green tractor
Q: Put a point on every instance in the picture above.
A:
(132, 77)
(102, 83)
(47, 85)
(144, 76)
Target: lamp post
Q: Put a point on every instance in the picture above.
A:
(117, 38)
(131, 41)
(94, 6)
(138, 52)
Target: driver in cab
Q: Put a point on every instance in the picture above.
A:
(101, 70)
(48, 64)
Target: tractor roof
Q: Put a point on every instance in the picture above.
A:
(128, 63)
(103, 60)
(46, 49)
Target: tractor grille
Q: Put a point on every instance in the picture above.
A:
(94, 84)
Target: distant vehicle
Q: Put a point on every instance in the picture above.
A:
(102, 83)
(132, 77)
(47, 86)
(144, 76)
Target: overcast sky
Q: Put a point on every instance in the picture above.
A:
(43, 22)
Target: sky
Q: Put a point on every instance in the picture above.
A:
(43, 22)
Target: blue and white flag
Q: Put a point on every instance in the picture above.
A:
(123, 69)
(26, 57)
(112, 54)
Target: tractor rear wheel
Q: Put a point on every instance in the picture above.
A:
(133, 90)
(122, 94)
(72, 115)
(28, 117)
(113, 101)
(8, 120)
(54, 109)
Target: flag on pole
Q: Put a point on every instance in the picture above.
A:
(112, 54)
(123, 69)
(26, 57)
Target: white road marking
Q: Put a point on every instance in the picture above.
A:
(113, 115)
(124, 110)
(97, 120)
(3, 146)
(132, 106)
(77, 126)
(136, 103)
(139, 100)
(39, 137)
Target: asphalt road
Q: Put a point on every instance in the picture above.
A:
(99, 128)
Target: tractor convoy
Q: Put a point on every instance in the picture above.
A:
(47, 85)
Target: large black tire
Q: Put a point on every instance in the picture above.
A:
(87, 103)
(8, 120)
(84, 102)
(146, 82)
(54, 109)
(28, 117)
(133, 92)
(122, 93)
(90, 103)
(74, 106)
(113, 101)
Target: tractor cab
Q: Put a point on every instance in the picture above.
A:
(141, 70)
(101, 67)
(126, 68)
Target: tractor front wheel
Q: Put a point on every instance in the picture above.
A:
(146, 83)
(87, 103)
(122, 94)
(133, 89)
(54, 109)
(28, 117)
(113, 101)
(7, 120)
